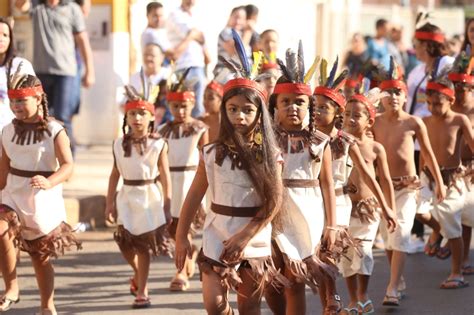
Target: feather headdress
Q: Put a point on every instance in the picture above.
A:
(370, 98)
(332, 84)
(422, 19)
(294, 71)
(16, 80)
(391, 79)
(244, 73)
(143, 100)
(439, 81)
(179, 87)
(463, 67)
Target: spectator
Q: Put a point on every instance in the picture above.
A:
(155, 31)
(357, 55)
(469, 36)
(268, 42)
(380, 48)
(225, 43)
(57, 26)
(189, 50)
(85, 6)
(455, 44)
(252, 16)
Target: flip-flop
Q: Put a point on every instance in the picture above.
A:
(141, 302)
(6, 303)
(458, 284)
(350, 311)
(366, 308)
(391, 300)
(467, 270)
(191, 266)
(443, 253)
(179, 283)
(431, 249)
(133, 287)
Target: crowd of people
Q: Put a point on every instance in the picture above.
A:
(289, 184)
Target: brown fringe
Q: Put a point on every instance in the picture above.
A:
(29, 133)
(54, 243)
(223, 150)
(299, 140)
(340, 143)
(332, 256)
(199, 218)
(265, 272)
(449, 175)
(411, 182)
(153, 241)
(469, 170)
(8, 215)
(171, 130)
(140, 143)
(365, 209)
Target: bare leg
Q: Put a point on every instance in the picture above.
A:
(276, 300)
(215, 294)
(389, 255)
(428, 219)
(132, 259)
(466, 238)
(351, 283)
(143, 264)
(8, 262)
(250, 293)
(456, 246)
(295, 296)
(44, 272)
(396, 271)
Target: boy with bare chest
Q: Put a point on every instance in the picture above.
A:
(395, 130)
(446, 129)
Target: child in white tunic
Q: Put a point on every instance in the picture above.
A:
(307, 176)
(185, 135)
(243, 176)
(36, 159)
(141, 207)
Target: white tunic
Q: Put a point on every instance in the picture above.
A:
(303, 219)
(40, 211)
(233, 188)
(183, 151)
(139, 208)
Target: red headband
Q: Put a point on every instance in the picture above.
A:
(140, 104)
(440, 88)
(246, 84)
(362, 99)
(461, 77)
(25, 92)
(393, 84)
(296, 88)
(351, 83)
(332, 94)
(217, 87)
(180, 96)
(269, 65)
(435, 37)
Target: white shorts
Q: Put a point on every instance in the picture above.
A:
(449, 211)
(425, 196)
(467, 216)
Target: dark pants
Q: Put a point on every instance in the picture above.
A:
(61, 99)
(418, 228)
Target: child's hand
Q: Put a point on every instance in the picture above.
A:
(234, 249)
(40, 182)
(182, 249)
(168, 216)
(440, 192)
(110, 213)
(329, 237)
(391, 218)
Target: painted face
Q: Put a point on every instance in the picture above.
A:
(139, 119)
(156, 18)
(438, 104)
(152, 58)
(181, 110)
(241, 113)
(4, 38)
(212, 101)
(325, 111)
(394, 101)
(291, 110)
(356, 118)
(27, 108)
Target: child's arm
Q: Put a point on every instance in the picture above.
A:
(165, 180)
(4, 168)
(329, 196)
(188, 211)
(62, 149)
(428, 155)
(387, 187)
(204, 139)
(359, 162)
(110, 209)
(467, 132)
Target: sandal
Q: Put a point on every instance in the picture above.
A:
(350, 311)
(443, 253)
(451, 284)
(141, 302)
(467, 270)
(133, 287)
(191, 266)
(391, 300)
(431, 249)
(6, 303)
(366, 308)
(179, 283)
(333, 305)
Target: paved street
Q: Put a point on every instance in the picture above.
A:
(94, 281)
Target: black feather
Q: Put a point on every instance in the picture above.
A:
(231, 65)
(284, 69)
(301, 70)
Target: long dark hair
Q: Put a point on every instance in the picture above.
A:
(433, 48)
(466, 38)
(265, 175)
(10, 53)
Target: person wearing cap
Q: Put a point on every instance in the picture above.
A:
(395, 130)
(141, 208)
(185, 136)
(446, 146)
(212, 103)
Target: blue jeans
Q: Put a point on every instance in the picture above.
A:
(61, 101)
(198, 75)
